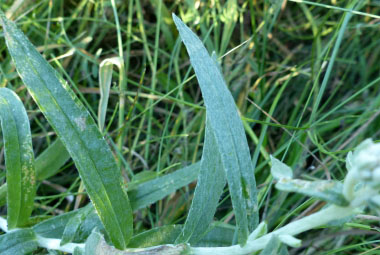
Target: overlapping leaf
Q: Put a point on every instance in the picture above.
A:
(229, 133)
(151, 191)
(47, 164)
(78, 132)
(211, 181)
(18, 242)
(19, 159)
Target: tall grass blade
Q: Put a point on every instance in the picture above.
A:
(211, 181)
(19, 159)
(229, 17)
(228, 130)
(78, 132)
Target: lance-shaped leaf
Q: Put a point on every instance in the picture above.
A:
(228, 130)
(78, 132)
(151, 191)
(211, 181)
(19, 159)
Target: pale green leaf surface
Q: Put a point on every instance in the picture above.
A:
(78, 251)
(19, 159)
(272, 247)
(290, 240)
(329, 191)
(280, 170)
(229, 132)
(211, 181)
(105, 77)
(18, 242)
(283, 250)
(78, 132)
(55, 226)
(73, 225)
(261, 230)
(219, 235)
(349, 161)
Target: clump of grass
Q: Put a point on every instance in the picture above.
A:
(296, 101)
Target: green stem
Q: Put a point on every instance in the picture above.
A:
(294, 228)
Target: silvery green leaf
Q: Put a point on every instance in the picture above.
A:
(280, 170)
(211, 180)
(77, 130)
(229, 133)
(349, 161)
(290, 240)
(283, 250)
(272, 246)
(329, 191)
(18, 242)
(261, 230)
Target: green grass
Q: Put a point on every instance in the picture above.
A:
(305, 79)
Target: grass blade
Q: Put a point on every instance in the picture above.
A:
(78, 132)
(211, 181)
(228, 130)
(19, 159)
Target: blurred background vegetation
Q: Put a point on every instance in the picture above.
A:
(300, 98)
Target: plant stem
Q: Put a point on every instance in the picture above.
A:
(315, 220)
(54, 244)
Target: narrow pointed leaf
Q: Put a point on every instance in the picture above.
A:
(229, 132)
(211, 181)
(78, 132)
(151, 191)
(19, 159)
